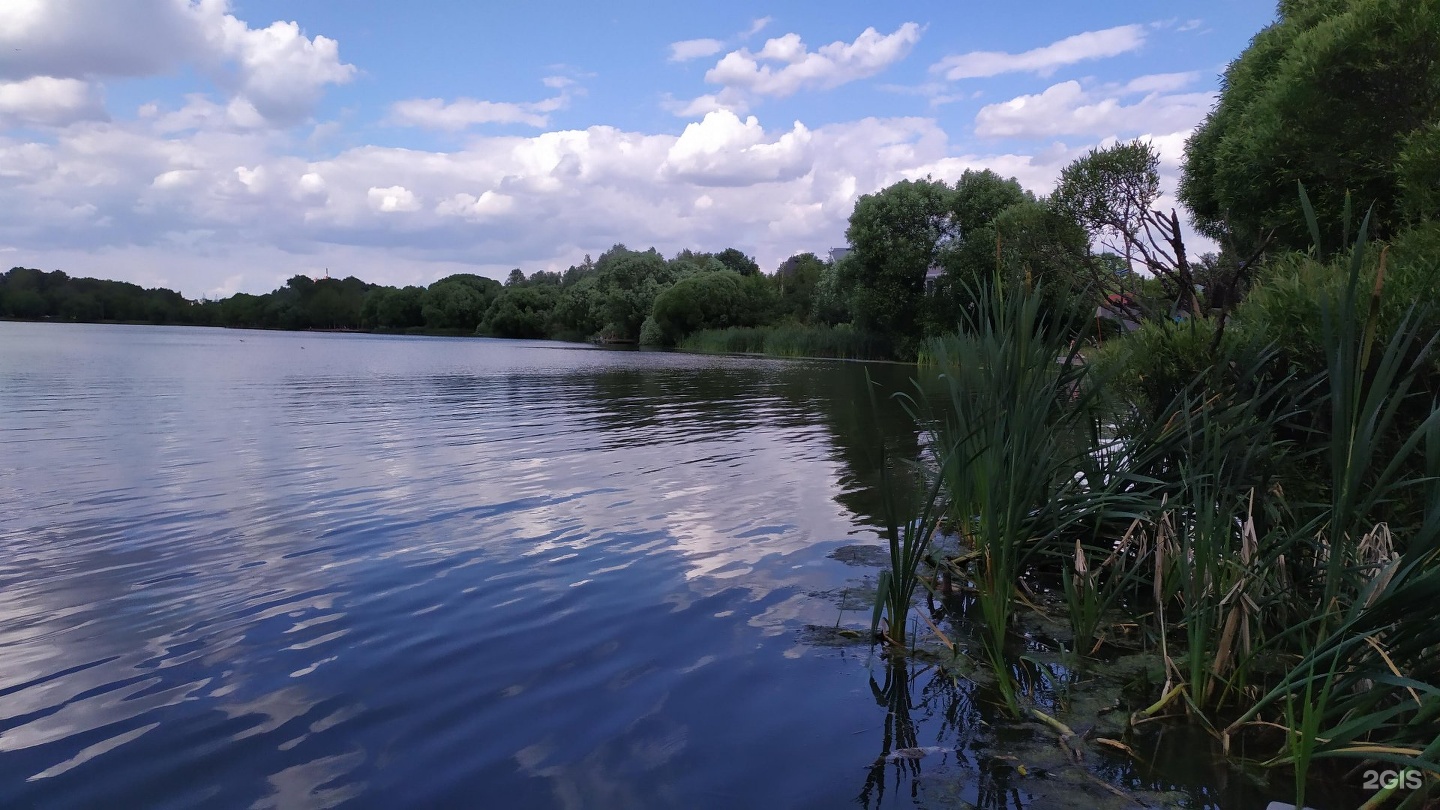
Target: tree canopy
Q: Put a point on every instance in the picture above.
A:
(895, 236)
(32, 294)
(459, 301)
(1111, 193)
(1340, 95)
(701, 301)
(919, 232)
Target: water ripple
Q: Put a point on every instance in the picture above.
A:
(403, 570)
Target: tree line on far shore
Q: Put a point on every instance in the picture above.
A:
(609, 298)
(1354, 116)
(918, 250)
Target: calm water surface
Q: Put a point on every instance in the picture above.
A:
(249, 569)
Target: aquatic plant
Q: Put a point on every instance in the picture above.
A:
(1367, 685)
(1015, 389)
(910, 526)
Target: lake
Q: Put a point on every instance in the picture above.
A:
(259, 569)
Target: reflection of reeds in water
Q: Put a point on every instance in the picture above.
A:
(912, 699)
(899, 730)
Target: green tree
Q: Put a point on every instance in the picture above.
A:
(968, 257)
(577, 315)
(1111, 193)
(576, 272)
(688, 262)
(980, 196)
(831, 304)
(328, 310)
(1049, 251)
(25, 303)
(900, 235)
(762, 299)
(626, 283)
(389, 308)
(300, 284)
(240, 309)
(1340, 95)
(738, 261)
(1030, 244)
(30, 293)
(521, 311)
(797, 278)
(459, 301)
(699, 301)
(895, 235)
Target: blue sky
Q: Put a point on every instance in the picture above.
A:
(216, 146)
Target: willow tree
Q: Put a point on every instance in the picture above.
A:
(1340, 95)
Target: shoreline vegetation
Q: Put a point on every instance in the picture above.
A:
(1242, 491)
(794, 342)
(1225, 465)
(1261, 524)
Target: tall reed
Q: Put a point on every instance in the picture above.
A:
(1179, 513)
(909, 531)
(1367, 682)
(912, 510)
(1015, 388)
(1366, 391)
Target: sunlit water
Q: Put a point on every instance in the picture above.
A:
(249, 569)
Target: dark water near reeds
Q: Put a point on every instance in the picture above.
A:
(247, 569)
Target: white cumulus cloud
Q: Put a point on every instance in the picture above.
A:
(48, 101)
(722, 150)
(435, 113)
(785, 66)
(87, 38)
(799, 68)
(392, 199)
(176, 179)
(277, 71)
(488, 204)
(311, 188)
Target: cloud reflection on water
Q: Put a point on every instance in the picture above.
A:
(312, 576)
